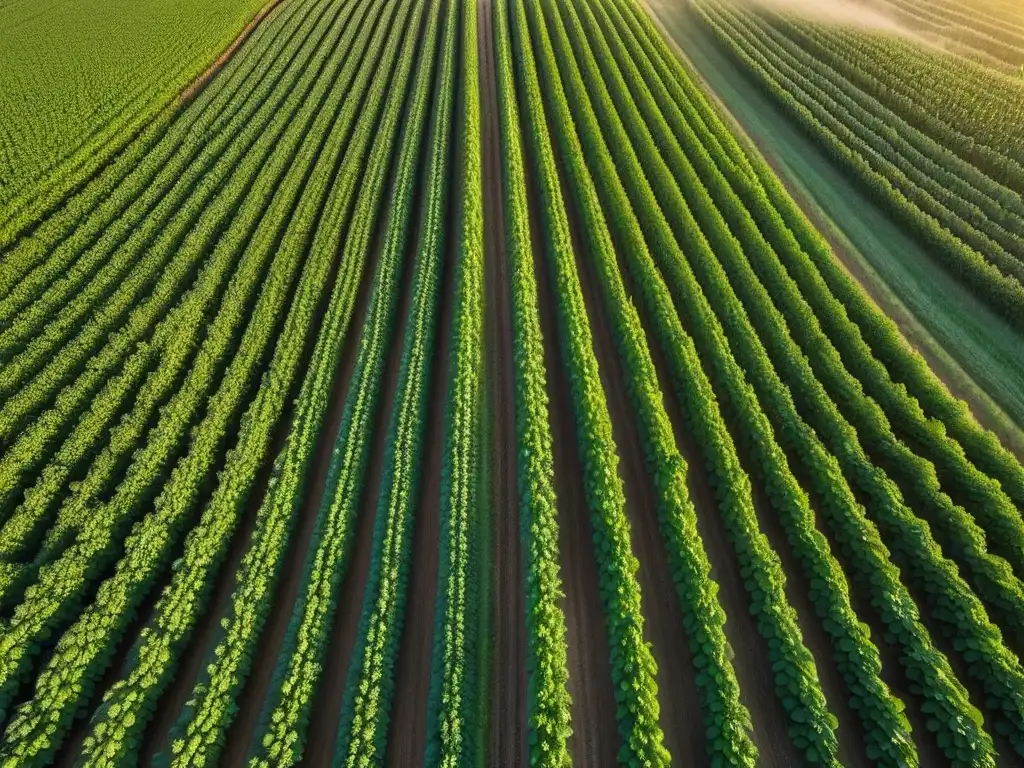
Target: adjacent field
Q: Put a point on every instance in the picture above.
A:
(444, 382)
(79, 77)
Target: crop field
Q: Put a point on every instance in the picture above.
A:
(79, 78)
(457, 383)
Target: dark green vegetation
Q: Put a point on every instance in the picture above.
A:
(447, 384)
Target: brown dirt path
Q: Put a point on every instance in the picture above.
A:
(255, 691)
(750, 652)
(322, 733)
(508, 681)
(851, 731)
(190, 664)
(407, 733)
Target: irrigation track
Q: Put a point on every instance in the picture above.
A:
(326, 711)
(680, 716)
(508, 678)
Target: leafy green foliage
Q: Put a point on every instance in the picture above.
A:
(548, 702)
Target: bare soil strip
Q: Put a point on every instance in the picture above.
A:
(750, 651)
(851, 731)
(508, 681)
(190, 665)
(255, 691)
(326, 712)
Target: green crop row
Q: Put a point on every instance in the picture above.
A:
(954, 607)
(185, 326)
(86, 361)
(404, 454)
(961, 106)
(867, 128)
(804, 252)
(199, 731)
(75, 216)
(107, 72)
(130, 703)
(453, 726)
(368, 697)
(53, 598)
(190, 229)
(85, 649)
(727, 722)
(870, 566)
(1004, 294)
(981, 448)
(548, 702)
(856, 657)
(165, 440)
(999, 203)
(62, 584)
(963, 539)
(280, 736)
(632, 662)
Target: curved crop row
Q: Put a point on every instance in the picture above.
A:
(632, 662)
(857, 539)
(183, 231)
(130, 703)
(962, 537)
(453, 725)
(811, 726)
(856, 656)
(198, 733)
(282, 728)
(165, 440)
(85, 649)
(549, 706)
(54, 598)
(953, 606)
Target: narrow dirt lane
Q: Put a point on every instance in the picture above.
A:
(680, 717)
(508, 679)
